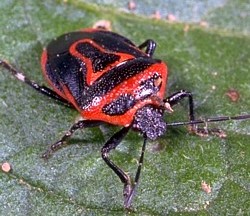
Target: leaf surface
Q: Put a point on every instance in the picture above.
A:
(208, 61)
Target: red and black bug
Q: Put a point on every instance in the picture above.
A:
(109, 79)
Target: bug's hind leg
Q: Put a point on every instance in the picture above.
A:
(41, 89)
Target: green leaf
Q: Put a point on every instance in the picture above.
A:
(75, 181)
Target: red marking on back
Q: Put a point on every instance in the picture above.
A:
(94, 111)
(91, 77)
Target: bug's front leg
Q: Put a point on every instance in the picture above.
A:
(128, 199)
(111, 144)
(177, 97)
(180, 95)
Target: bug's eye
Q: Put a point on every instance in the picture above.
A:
(149, 86)
(157, 81)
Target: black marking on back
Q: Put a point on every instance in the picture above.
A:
(114, 77)
(64, 69)
(116, 43)
(110, 41)
(69, 71)
(120, 105)
(100, 60)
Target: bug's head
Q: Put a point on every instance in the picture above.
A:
(149, 121)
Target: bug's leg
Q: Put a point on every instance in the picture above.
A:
(150, 46)
(111, 144)
(178, 96)
(42, 89)
(129, 198)
(78, 125)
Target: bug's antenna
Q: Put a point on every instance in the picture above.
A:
(210, 119)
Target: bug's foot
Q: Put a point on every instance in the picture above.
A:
(52, 149)
(128, 195)
(204, 132)
(47, 154)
